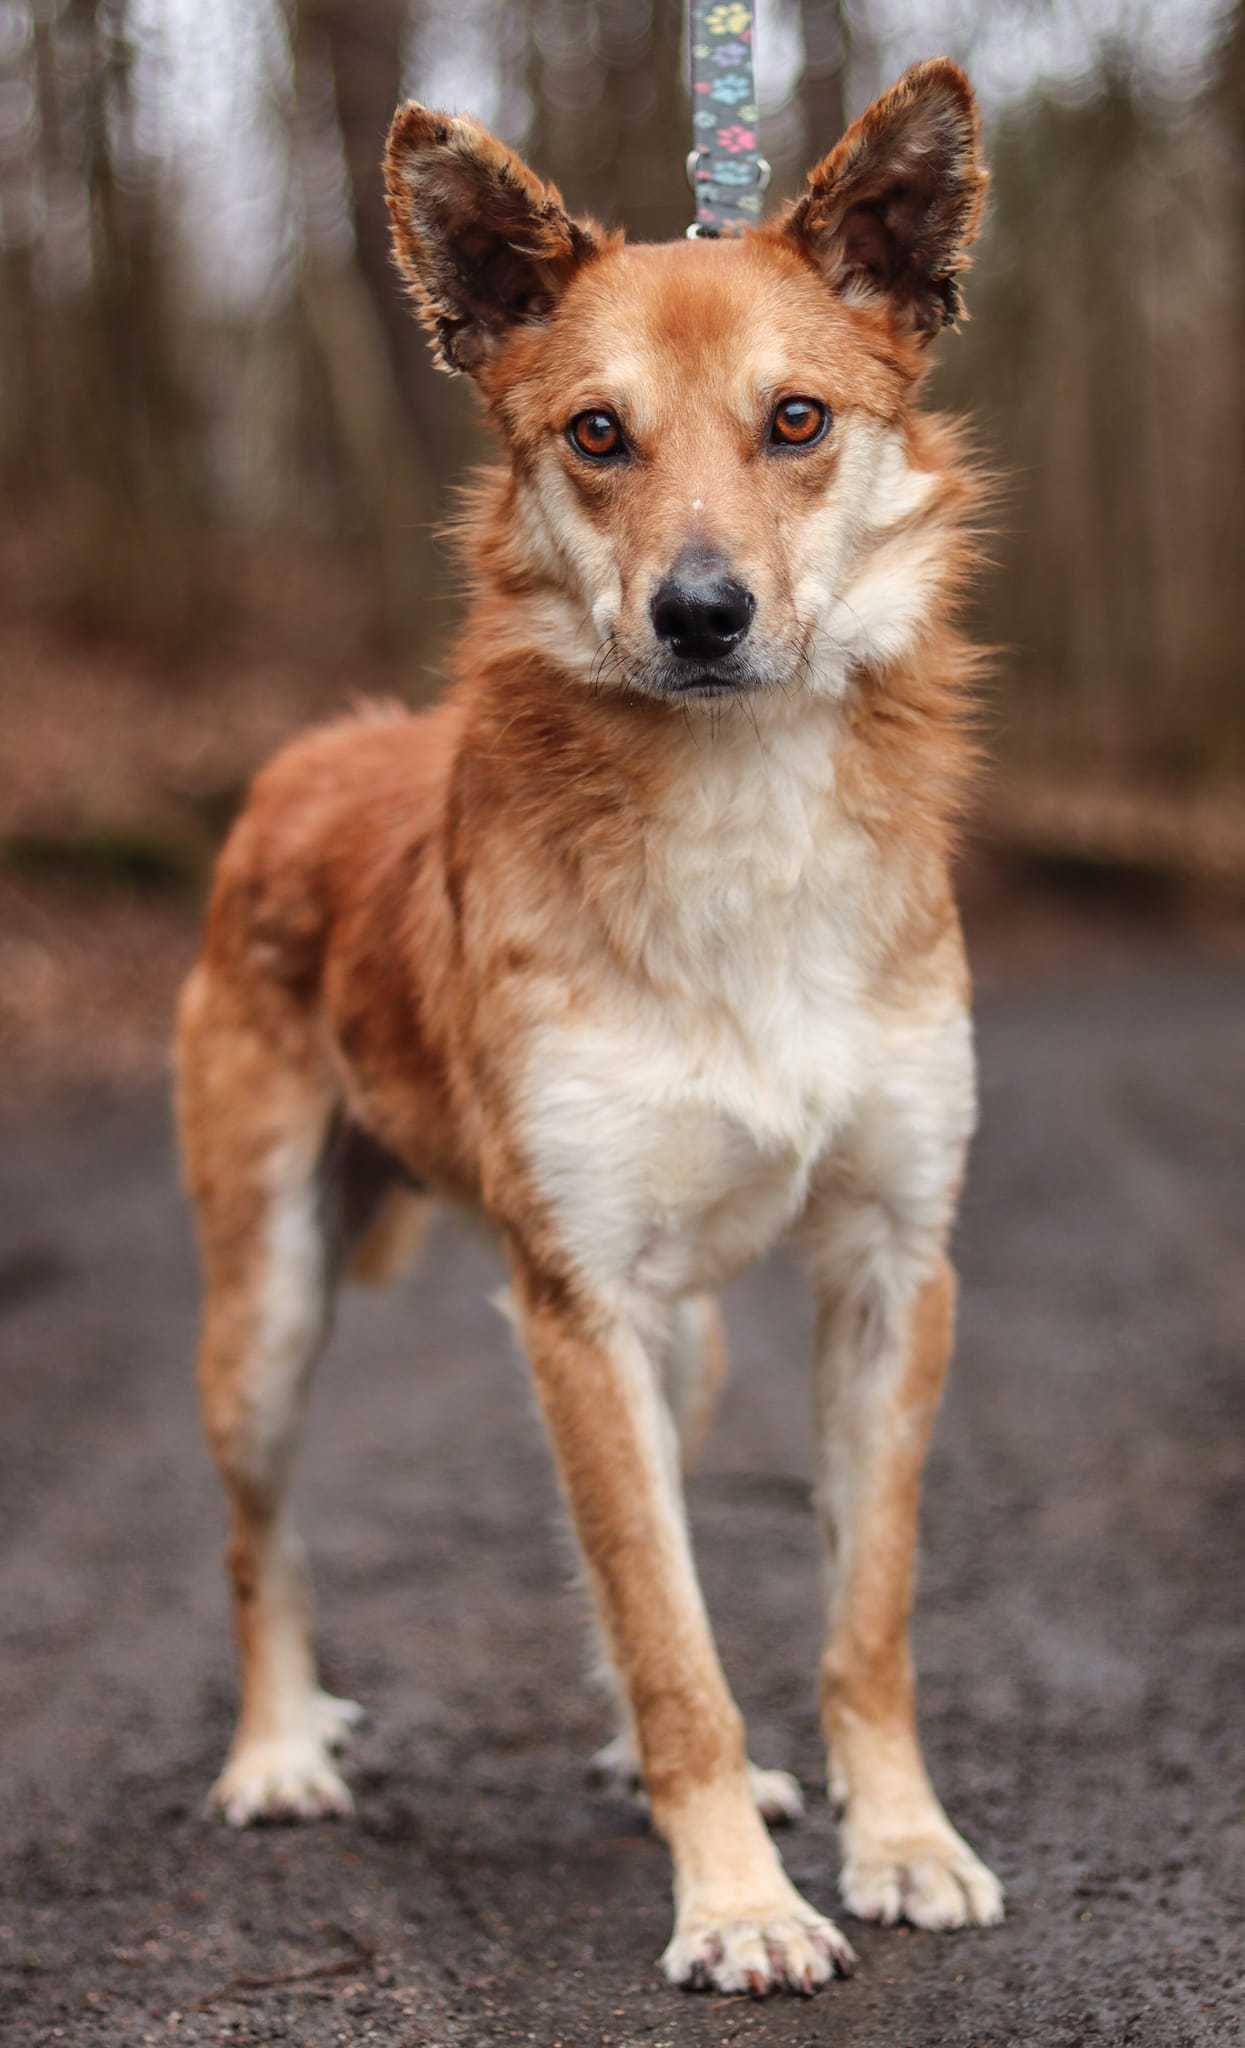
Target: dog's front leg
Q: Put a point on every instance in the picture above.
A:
(694, 1359)
(739, 1923)
(884, 1341)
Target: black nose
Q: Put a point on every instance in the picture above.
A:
(701, 615)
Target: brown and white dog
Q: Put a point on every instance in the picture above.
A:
(642, 943)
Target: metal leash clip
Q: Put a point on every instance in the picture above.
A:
(763, 169)
(699, 230)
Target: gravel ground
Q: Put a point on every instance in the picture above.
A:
(1080, 1635)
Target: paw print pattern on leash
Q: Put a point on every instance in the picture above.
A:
(727, 174)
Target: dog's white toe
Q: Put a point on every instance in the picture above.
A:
(785, 1952)
(336, 1720)
(283, 1778)
(614, 1767)
(932, 1880)
(777, 1794)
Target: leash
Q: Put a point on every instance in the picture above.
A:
(725, 169)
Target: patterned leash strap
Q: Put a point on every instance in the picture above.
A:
(725, 170)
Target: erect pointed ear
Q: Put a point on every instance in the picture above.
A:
(895, 205)
(483, 243)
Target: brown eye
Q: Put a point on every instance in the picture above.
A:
(798, 423)
(597, 434)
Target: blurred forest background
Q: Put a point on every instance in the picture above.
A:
(225, 456)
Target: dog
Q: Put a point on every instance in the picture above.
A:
(643, 944)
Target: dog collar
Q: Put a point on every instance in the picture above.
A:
(725, 170)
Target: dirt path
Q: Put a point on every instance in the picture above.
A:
(1080, 1640)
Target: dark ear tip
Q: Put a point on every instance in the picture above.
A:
(944, 74)
(941, 78)
(415, 128)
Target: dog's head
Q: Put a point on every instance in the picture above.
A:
(710, 440)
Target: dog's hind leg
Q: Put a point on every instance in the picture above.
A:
(694, 1374)
(256, 1109)
(695, 1371)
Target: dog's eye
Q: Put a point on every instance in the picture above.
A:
(798, 423)
(597, 434)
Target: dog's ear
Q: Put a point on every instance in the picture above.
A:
(893, 208)
(483, 243)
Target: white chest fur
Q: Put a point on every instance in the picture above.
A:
(674, 1120)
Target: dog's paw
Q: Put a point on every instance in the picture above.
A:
(777, 1794)
(784, 1951)
(335, 1720)
(615, 1769)
(778, 1797)
(930, 1878)
(280, 1778)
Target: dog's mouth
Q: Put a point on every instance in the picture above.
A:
(731, 677)
(706, 684)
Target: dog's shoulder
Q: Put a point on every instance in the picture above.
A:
(328, 820)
